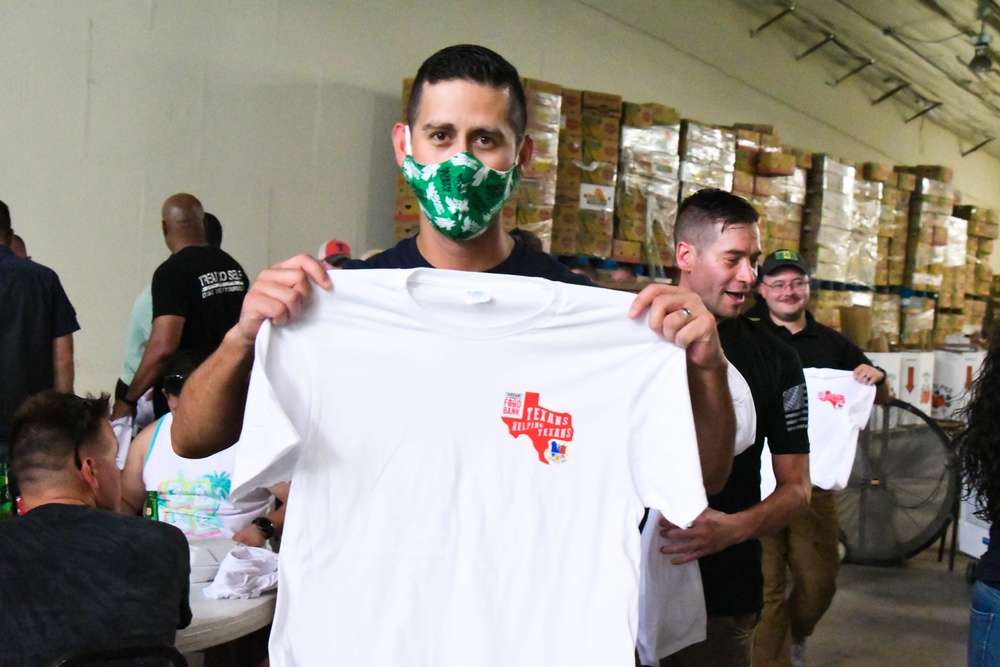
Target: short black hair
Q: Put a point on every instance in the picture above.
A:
(48, 429)
(479, 65)
(699, 212)
(213, 230)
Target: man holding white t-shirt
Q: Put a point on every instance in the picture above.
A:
(809, 545)
(466, 113)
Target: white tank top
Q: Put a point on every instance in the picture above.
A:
(194, 493)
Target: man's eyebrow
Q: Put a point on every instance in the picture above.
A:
(439, 127)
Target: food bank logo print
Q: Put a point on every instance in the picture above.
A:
(836, 400)
(550, 431)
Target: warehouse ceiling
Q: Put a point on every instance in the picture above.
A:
(914, 53)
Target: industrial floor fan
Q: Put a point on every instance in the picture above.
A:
(903, 488)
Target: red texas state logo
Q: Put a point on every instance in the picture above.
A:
(836, 400)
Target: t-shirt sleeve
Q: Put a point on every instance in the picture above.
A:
(169, 291)
(663, 444)
(276, 418)
(789, 422)
(64, 319)
(746, 411)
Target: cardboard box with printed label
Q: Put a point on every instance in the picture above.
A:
(916, 381)
(954, 373)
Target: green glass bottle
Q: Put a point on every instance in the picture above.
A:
(6, 502)
(151, 508)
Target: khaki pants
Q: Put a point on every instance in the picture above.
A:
(808, 548)
(728, 643)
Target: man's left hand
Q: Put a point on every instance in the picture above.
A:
(869, 375)
(679, 316)
(710, 533)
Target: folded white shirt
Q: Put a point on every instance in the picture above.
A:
(245, 572)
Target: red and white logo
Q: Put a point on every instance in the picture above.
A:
(836, 400)
(549, 431)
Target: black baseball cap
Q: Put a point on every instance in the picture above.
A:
(779, 259)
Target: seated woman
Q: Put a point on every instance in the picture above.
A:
(193, 494)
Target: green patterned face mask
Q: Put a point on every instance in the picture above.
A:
(460, 196)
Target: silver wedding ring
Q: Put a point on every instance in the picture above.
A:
(687, 313)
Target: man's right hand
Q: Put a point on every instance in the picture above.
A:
(280, 294)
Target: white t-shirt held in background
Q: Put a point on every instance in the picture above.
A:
(839, 407)
(471, 456)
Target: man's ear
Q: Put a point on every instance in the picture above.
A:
(88, 472)
(686, 255)
(527, 150)
(399, 142)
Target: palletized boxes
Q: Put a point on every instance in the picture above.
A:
(536, 193)
(862, 255)
(708, 157)
(893, 231)
(885, 316)
(917, 321)
(646, 205)
(565, 217)
(407, 210)
(930, 211)
(600, 124)
(827, 220)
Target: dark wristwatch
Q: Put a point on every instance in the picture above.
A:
(265, 526)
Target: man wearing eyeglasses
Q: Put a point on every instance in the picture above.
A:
(808, 546)
(74, 573)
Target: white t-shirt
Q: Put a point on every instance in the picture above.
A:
(839, 407)
(672, 611)
(472, 454)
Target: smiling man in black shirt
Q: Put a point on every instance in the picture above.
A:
(718, 245)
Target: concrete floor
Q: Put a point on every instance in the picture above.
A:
(915, 614)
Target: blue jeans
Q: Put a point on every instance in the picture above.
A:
(984, 626)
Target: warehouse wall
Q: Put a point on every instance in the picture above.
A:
(277, 114)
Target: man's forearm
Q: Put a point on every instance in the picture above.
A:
(210, 415)
(63, 371)
(776, 511)
(714, 423)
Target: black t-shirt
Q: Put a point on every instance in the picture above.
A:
(523, 261)
(205, 286)
(818, 346)
(34, 311)
(732, 578)
(74, 577)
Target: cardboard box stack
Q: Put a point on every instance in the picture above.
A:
(771, 177)
(708, 157)
(601, 128)
(407, 211)
(536, 193)
(930, 210)
(825, 305)
(893, 227)
(565, 215)
(827, 219)
(885, 316)
(917, 321)
(648, 185)
(862, 253)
